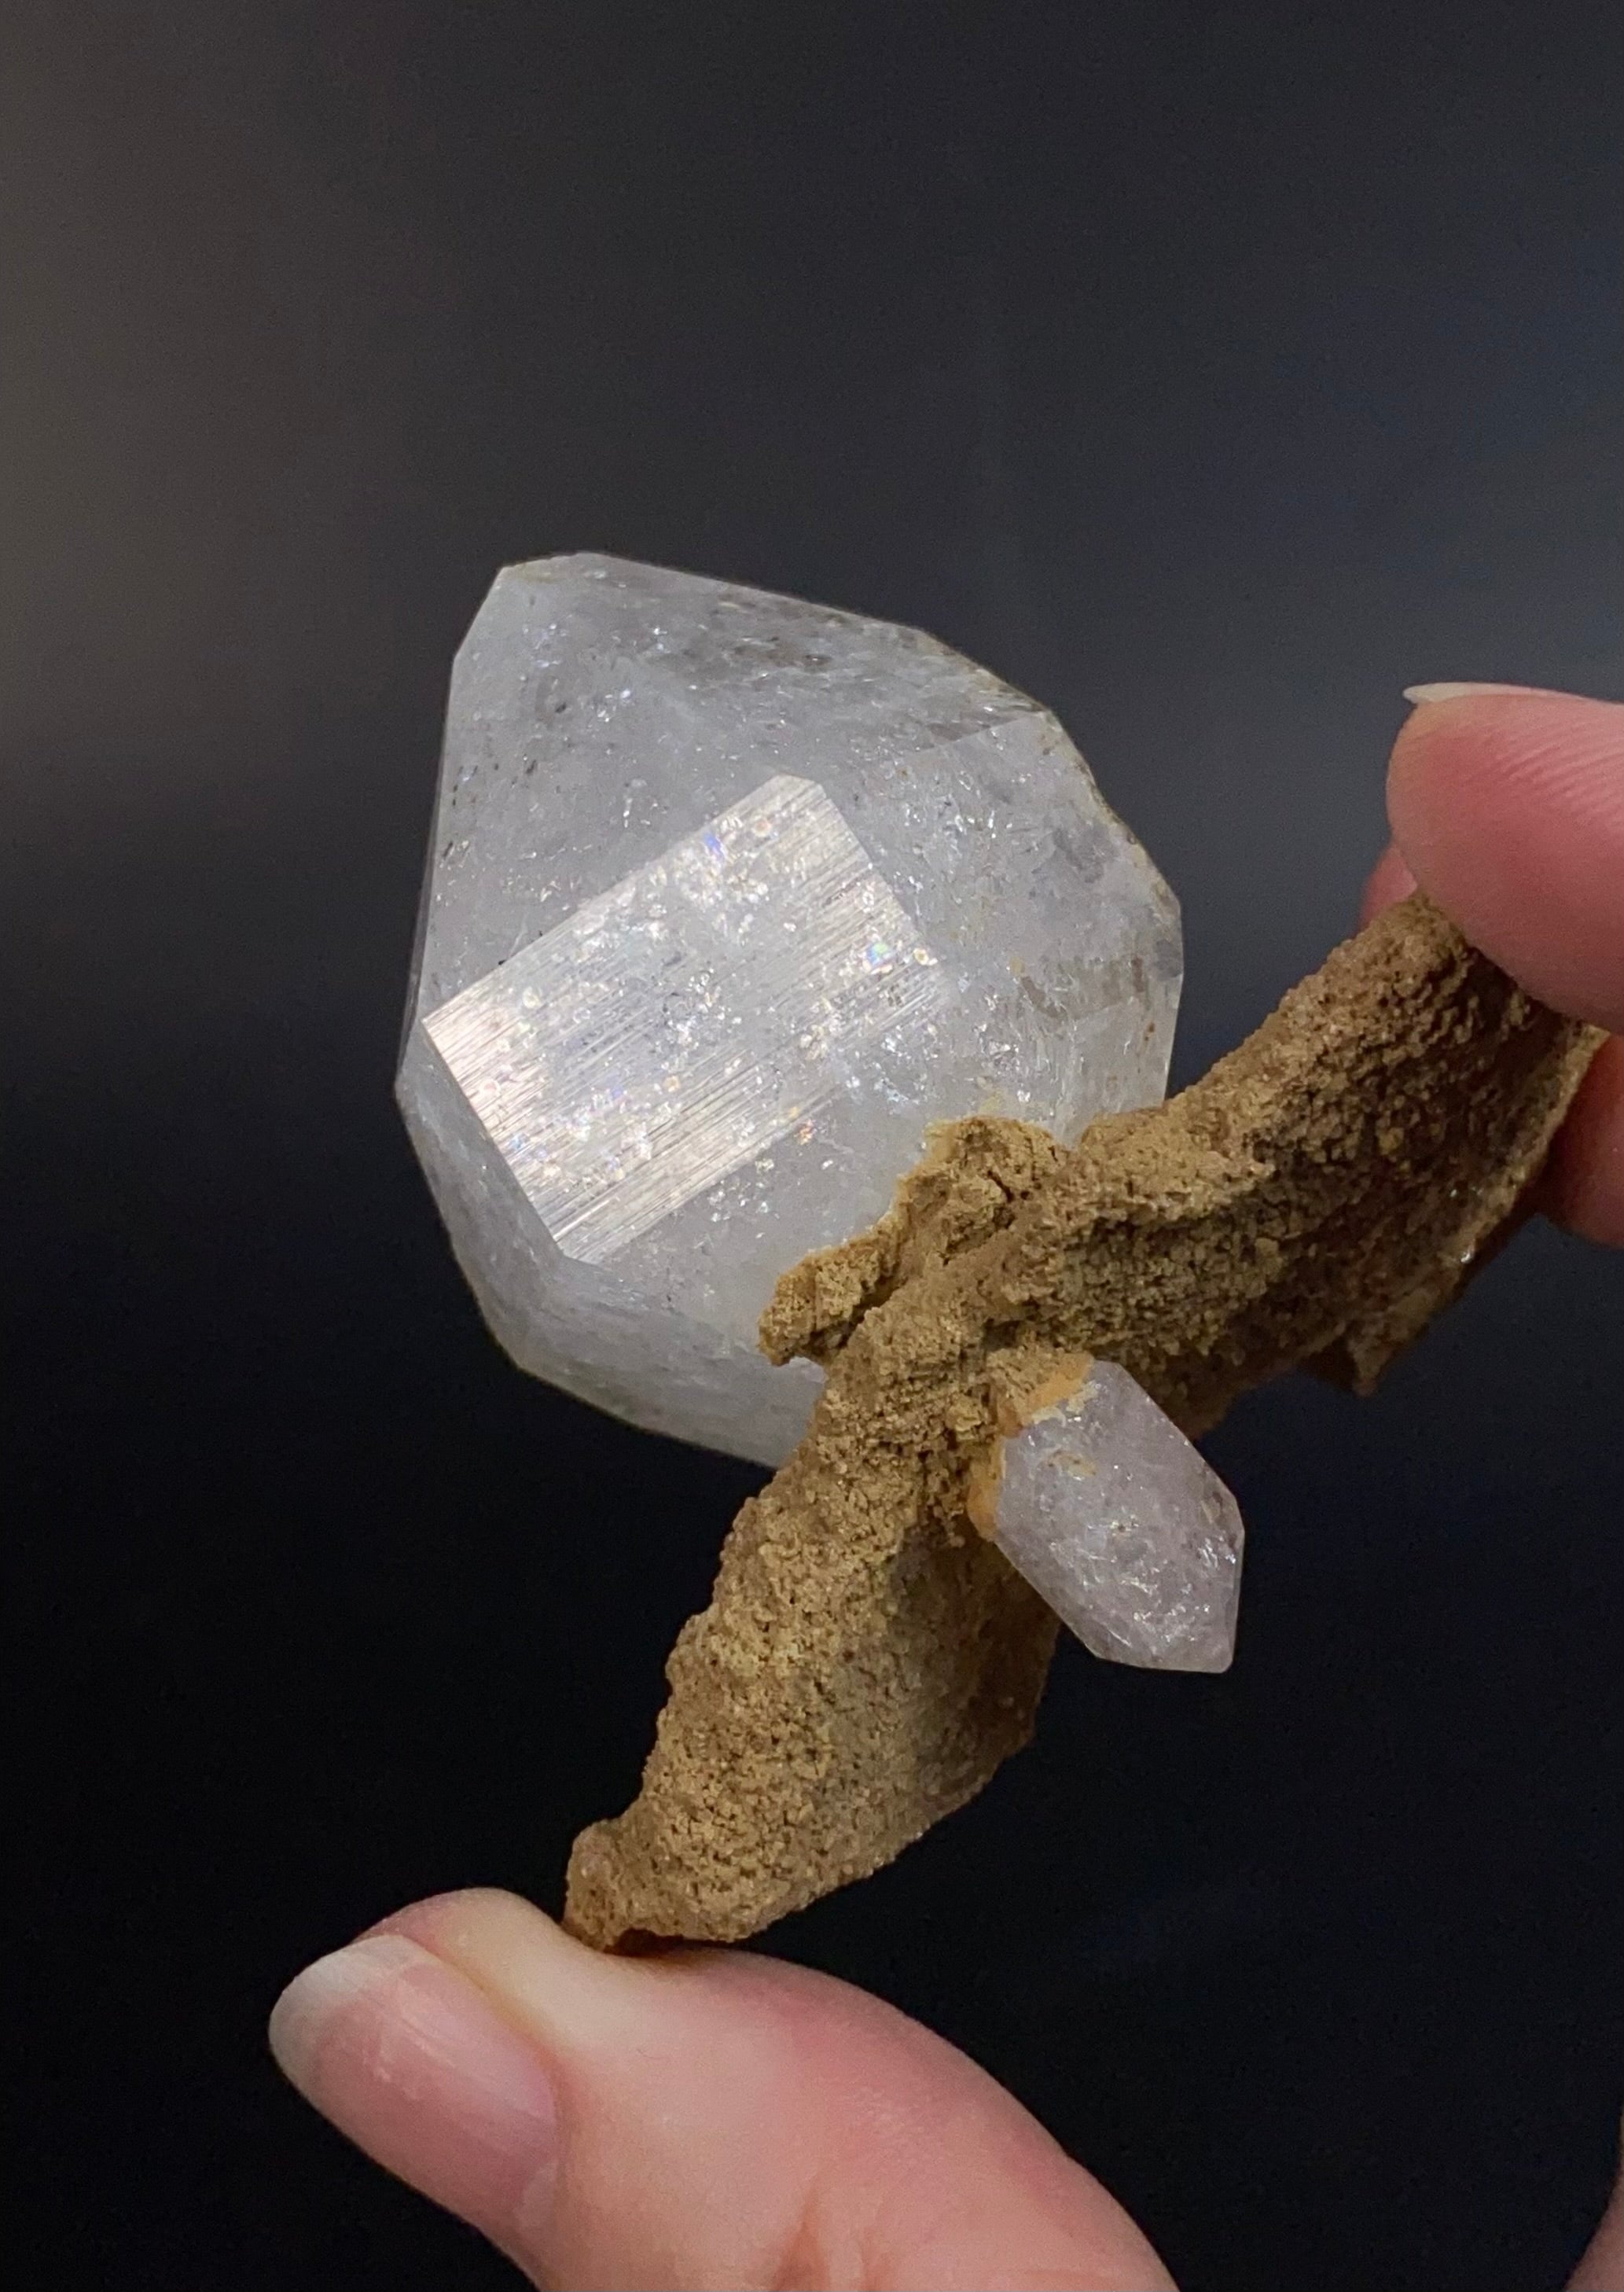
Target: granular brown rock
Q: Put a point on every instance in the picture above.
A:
(868, 1658)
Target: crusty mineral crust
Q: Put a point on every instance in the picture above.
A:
(867, 1660)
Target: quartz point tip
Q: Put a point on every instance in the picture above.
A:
(729, 898)
(1123, 1526)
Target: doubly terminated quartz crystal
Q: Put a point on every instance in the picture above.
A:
(729, 897)
(1123, 1526)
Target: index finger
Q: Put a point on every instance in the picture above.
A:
(1507, 808)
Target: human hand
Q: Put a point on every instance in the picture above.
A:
(710, 2119)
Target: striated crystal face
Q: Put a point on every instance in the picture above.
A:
(728, 897)
(1124, 1528)
(676, 1026)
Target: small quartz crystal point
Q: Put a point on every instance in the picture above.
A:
(730, 898)
(1119, 1523)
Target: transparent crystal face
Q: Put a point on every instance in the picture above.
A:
(729, 896)
(682, 1023)
(1124, 1528)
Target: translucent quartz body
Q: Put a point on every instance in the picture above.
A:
(1124, 1528)
(728, 897)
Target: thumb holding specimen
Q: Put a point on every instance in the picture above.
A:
(704, 2118)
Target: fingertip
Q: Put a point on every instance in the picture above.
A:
(725, 2118)
(320, 1996)
(1509, 808)
(554, 1984)
(406, 2057)
(1583, 1185)
(1389, 882)
(453, 1923)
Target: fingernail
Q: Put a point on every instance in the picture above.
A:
(405, 2055)
(1422, 693)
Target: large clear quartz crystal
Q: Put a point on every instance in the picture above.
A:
(728, 897)
(1124, 1528)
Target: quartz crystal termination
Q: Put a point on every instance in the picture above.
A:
(731, 897)
(1120, 1524)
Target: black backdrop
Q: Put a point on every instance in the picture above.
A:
(1211, 371)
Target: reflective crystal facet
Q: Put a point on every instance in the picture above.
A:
(1124, 1528)
(729, 896)
(679, 1024)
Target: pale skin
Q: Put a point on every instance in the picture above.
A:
(712, 2120)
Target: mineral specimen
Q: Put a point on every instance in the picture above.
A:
(1119, 1522)
(868, 1658)
(734, 902)
(729, 898)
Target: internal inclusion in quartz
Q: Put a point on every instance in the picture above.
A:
(1123, 1526)
(730, 898)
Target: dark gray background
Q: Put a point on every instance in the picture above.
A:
(1210, 371)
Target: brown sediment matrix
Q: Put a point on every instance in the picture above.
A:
(867, 1660)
